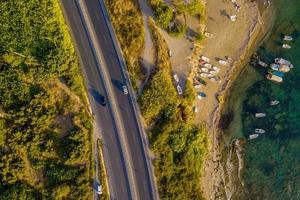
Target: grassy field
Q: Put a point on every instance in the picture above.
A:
(45, 127)
(179, 146)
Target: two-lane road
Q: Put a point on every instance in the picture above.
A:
(127, 164)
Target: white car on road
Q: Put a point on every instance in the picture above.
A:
(125, 90)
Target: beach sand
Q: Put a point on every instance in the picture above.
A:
(236, 40)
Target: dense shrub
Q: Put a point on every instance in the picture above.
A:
(178, 144)
(40, 85)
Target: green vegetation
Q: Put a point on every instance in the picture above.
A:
(178, 144)
(173, 19)
(194, 7)
(166, 18)
(45, 127)
(128, 24)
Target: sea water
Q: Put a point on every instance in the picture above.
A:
(272, 161)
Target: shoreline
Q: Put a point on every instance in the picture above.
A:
(213, 170)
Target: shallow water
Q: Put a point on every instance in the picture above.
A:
(272, 160)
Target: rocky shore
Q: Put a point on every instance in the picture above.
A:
(223, 167)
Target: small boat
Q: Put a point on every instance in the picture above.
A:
(288, 38)
(261, 63)
(223, 62)
(213, 79)
(195, 109)
(278, 73)
(175, 76)
(205, 59)
(216, 68)
(274, 78)
(207, 65)
(203, 69)
(179, 90)
(253, 136)
(282, 61)
(202, 62)
(201, 95)
(208, 35)
(198, 86)
(204, 75)
(260, 131)
(275, 66)
(274, 103)
(214, 72)
(260, 114)
(210, 75)
(286, 46)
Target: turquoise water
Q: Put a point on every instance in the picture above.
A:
(272, 161)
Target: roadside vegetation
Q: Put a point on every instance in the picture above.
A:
(128, 24)
(179, 145)
(45, 128)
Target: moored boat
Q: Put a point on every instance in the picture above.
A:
(288, 38)
(260, 114)
(259, 131)
(253, 136)
(204, 75)
(274, 78)
(286, 46)
(261, 63)
(274, 103)
(223, 62)
(203, 69)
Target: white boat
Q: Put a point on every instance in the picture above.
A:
(274, 103)
(204, 75)
(260, 114)
(223, 62)
(253, 136)
(275, 66)
(198, 86)
(179, 90)
(213, 79)
(175, 76)
(286, 46)
(205, 58)
(263, 64)
(288, 38)
(203, 69)
(207, 65)
(259, 130)
(208, 35)
(214, 72)
(195, 109)
(210, 75)
(217, 69)
(282, 61)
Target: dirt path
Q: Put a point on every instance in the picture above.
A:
(147, 58)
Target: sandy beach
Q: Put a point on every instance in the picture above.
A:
(236, 40)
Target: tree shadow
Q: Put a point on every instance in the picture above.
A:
(224, 13)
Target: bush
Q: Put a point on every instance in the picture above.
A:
(40, 84)
(179, 146)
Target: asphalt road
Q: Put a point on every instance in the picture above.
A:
(129, 174)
